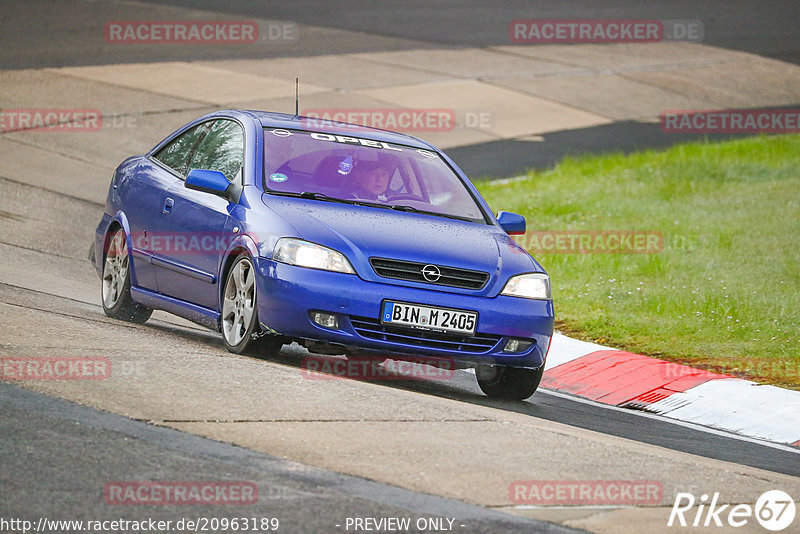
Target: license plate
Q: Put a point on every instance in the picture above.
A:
(429, 318)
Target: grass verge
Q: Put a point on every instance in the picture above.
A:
(722, 291)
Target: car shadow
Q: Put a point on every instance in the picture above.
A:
(459, 385)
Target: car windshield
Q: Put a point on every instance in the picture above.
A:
(344, 168)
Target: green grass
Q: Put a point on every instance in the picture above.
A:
(723, 293)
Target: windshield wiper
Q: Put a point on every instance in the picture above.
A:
(310, 195)
(322, 196)
(325, 198)
(397, 207)
(402, 207)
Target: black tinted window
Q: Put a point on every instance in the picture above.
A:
(221, 150)
(176, 154)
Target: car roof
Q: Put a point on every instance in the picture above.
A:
(271, 119)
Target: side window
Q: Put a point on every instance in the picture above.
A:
(221, 150)
(176, 154)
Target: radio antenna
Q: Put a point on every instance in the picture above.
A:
(296, 97)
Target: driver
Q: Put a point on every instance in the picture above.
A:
(372, 181)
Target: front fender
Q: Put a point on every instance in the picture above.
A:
(237, 244)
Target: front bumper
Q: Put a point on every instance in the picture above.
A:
(287, 295)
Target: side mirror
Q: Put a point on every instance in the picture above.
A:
(512, 223)
(207, 181)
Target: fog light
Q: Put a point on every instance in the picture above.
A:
(326, 320)
(517, 345)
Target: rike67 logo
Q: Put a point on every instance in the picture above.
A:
(774, 510)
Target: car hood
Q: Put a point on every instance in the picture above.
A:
(362, 232)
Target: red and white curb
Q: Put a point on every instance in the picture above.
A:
(628, 380)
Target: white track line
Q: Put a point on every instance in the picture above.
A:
(693, 426)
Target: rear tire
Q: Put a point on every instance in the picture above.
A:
(513, 383)
(116, 283)
(239, 318)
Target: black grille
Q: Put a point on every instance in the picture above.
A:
(375, 330)
(410, 270)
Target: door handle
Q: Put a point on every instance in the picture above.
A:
(168, 202)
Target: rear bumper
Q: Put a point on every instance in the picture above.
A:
(287, 295)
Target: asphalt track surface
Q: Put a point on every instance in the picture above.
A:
(764, 28)
(768, 29)
(74, 440)
(54, 452)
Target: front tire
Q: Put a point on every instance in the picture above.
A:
(116, 283)
(239, 318)
(512, 383)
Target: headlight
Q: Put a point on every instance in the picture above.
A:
(529, 286)
(305, 254)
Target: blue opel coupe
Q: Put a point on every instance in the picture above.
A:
(274, 228)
